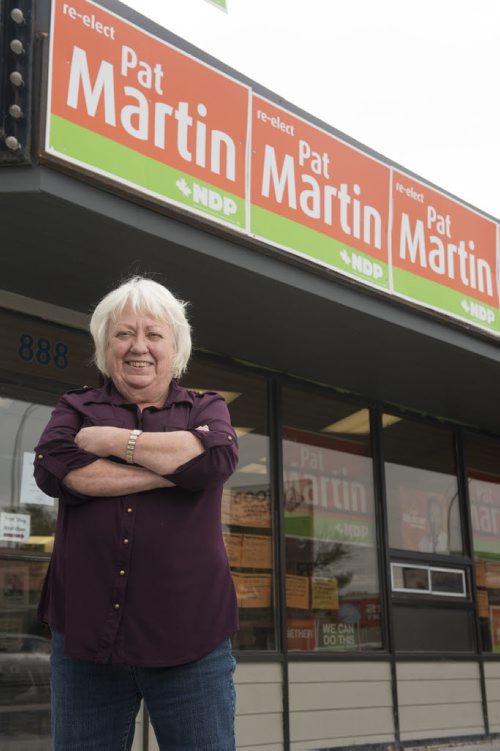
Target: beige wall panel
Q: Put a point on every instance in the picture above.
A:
(256, 698)
(347, 695)
(261, 729)
(417, 671)
(446, 733)
(441, 720)
(341, 724)
(492, 669)
(439, 699)
(494, 716)
(492, 680)
(314, 672)
(257, 672)
(253, 741)
(438, 692)
(339, 743)
(493, 690)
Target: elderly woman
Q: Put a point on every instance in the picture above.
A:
(138, 593)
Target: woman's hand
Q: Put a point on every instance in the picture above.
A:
(103, 440)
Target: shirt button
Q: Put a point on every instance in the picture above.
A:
(40, 456)
(129, 510)
(122, 572)
(117, 605)
(125, 541)
(230, 438)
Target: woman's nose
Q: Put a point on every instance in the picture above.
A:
(140, 343)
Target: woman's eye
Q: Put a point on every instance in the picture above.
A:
(122, 334)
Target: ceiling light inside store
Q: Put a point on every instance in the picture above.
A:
(254, 469)
(229, 396)
(358, 423)
(242, 431)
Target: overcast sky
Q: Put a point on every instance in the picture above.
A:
(416, 80)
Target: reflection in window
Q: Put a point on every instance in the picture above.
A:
(27, 522)
(27, 516)
(332, 587)
(482, 458)
(246, 502)
(422, 489)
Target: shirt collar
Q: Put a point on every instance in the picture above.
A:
(109, 394)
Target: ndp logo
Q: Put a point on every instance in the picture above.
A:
(207, 197)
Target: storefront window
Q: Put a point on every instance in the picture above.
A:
(422, 489)
(246, 503)
(332, 583)
(431, 603)
(27, 521)
(46, 358)
(482, 458)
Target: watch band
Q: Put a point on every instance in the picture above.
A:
(132, 440)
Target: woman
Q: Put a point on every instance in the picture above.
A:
(138, 593)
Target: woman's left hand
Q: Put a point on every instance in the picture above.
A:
(103, 440)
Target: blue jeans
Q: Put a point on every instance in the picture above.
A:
(94, 706)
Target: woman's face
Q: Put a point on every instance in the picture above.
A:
(140, 354)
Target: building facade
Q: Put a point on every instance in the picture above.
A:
(349, 313)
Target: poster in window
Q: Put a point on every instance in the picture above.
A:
(480, 568)
(301, 634)
(324, 593)
(482, 603)
(492, 579)
(495, 627)
(297, 592)
(233, 545)
(14, 586)
(328, 489)
(253, 590)
(256, 552)
(247, 507)
(337, 635)
(484, 494)
(30, 493)
(424, 523)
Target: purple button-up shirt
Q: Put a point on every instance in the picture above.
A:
(141, 579)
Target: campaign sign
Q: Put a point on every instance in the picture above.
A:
(128, 106)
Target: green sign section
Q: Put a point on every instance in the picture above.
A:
(332, 528)
(222, 4)
(446, 300)
(316, 245)
(141, 171)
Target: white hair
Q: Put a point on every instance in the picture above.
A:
(146, 297)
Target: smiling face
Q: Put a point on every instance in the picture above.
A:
(140, 355)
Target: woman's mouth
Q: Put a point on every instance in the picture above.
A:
(138, 363)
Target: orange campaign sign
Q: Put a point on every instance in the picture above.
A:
(129, 106)
(444, 254)
(318, 196)
(139, 112)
